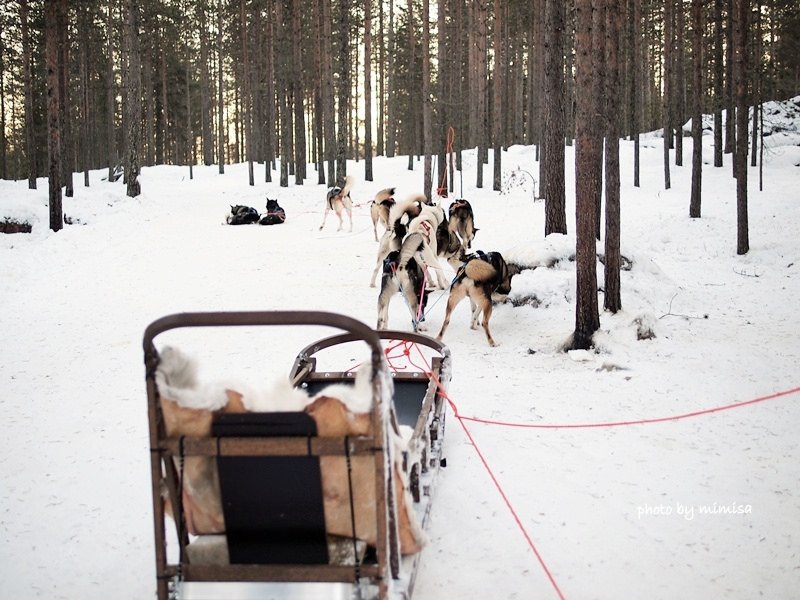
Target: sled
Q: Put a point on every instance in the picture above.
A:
(275, 472)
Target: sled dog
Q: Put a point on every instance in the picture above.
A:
(338, 200)
(400, 214)
(242, 215)
(427, 225)
(462, 221)
(275, 215)
(402, 272)
(379, 209)
(482, 277)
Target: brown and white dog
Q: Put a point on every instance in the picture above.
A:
(462, 221)
(483, 276)
(338, 200)
(380, 208)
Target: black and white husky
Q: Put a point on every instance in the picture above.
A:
(242, 215)
(482, 277)
(415, 215)
(338, 200)
(403, 272)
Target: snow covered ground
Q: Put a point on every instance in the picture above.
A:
(705, 506)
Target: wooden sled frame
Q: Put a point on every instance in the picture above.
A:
(389, 575)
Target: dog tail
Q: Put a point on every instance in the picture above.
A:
(409, 204)
(480, 270)
(384, 194)
(348, 185)
(411, 245)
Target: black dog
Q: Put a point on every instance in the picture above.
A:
(484, 274)
(242, 215)
(275, 215)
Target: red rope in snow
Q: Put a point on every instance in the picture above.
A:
(462, 421)
(426, 369)
(679, 417)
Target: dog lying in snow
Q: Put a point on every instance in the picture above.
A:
(275, 215)
(242, 215)
(483, 276)
(338, 410)
(338, 200)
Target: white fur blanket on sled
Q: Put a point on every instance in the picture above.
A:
(338, 410)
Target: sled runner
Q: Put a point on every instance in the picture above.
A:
(325, 499)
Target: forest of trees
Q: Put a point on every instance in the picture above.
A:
(222, 81)
(284, 84)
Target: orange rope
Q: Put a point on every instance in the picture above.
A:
(448, 149)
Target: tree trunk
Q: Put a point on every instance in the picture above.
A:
(247, 114)
(613, 298)
(480, 92)
(637, 82)
(221, 137)
(719, 100)
(587, 317)
(319, 111)
(299, 97)
(697, 108)
(390, 85)
(741, 70)
(133, 98)
(343, 91)
(427, 146)
(598, 77)
(30, 144)
(207, 137)
(497, 93)
(381, 129)
(52, 37)
(329, 94)
(679, 111)
(368, 90)
(67, 158)
(552, 185)
(110, 96)
(730, 113)
(666, 78)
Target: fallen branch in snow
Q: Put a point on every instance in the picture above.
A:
(744, 273)
(669, 312)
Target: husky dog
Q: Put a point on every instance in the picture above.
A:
(427, 224)
(400, 214)
(401, 271)
(242, 215)
(483, 276)
(275, 215)
(462, 221)
(337, 200)
(391, 241)
(379, 209)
